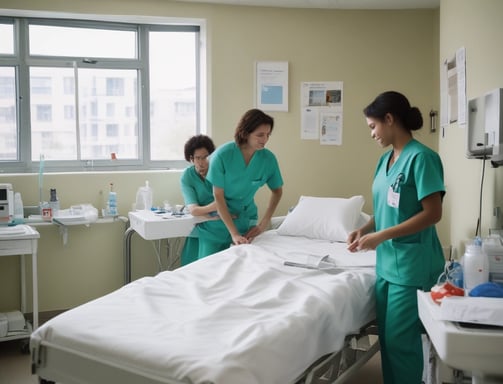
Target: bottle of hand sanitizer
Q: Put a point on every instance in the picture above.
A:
(112, 202)
(144, 198)
(18, 209)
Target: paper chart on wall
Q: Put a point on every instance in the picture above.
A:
(453, 104)
(321, 109)
(271, 85)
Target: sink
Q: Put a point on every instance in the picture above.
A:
(472, 348)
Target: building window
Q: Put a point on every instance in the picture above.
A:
(115, 86)
(44, 112)
(68, 85)
(41, 85)
(90, 98)
(69, 112)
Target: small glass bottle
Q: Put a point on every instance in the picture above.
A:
(54, 202)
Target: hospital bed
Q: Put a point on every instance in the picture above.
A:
(238, 316)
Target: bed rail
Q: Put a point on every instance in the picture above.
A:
(56, 364)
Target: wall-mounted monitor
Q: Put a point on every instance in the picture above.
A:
(484, 137)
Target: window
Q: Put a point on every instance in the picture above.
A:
(6, 38)
(171, 83)
(100, 96)
(7, 84)
(8, 127)
(56, 40)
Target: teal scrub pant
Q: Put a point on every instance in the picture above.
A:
(190, 251)
(399, 333)
(208, 247)
(215, 237)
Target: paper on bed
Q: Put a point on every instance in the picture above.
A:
(308, 261)
(322, 262)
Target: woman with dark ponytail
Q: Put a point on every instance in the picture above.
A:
(407, 191)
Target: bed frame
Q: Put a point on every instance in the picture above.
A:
(338, 367)
(55, 364)
(58, 364)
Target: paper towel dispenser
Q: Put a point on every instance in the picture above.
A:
(485, 127)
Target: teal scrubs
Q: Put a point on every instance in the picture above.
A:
(407, 263)
(240, 182)
(195, 190)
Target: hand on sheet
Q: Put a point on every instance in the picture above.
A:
(253, 232)
(357, 242)
(248, 237)
(239, 239)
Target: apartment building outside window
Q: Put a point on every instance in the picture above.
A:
(126, 91)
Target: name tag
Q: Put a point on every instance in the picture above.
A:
(393, 198)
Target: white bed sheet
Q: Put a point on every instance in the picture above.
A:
(239, 316)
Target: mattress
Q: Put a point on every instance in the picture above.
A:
(239, 316)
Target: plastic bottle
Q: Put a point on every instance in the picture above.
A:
(475, 266)
(54, 202)
(455, 274)
(18, 208)
(112, 202)
(144, 197)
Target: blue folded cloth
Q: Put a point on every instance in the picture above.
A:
(487, 290)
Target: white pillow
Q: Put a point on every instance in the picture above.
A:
(325, 218)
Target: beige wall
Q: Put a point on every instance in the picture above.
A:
(475, 25)
(370, 51)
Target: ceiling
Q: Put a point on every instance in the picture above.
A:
(330, 4)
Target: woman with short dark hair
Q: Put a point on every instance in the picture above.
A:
(197, 191)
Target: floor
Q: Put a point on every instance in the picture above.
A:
(15, 367)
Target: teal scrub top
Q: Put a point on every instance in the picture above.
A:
(239, 181)
(416, 259)
(195, 190)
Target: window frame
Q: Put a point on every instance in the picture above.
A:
(142, 25)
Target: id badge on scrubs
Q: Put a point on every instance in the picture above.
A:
(393, 198)
(394, 191)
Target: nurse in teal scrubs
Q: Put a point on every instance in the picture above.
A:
(197, 191)
(408, 189)
(237, 170)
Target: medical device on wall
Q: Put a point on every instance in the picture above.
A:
(485, 127)
(6, 203)
(493, 247)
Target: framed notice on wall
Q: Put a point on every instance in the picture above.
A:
(321, 111)
(271, 85)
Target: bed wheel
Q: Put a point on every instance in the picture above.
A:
(44, 381)
(25, 347)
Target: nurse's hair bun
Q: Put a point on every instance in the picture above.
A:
(414, 119)
(398, 105)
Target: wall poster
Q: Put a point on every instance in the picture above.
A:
(321, 109)
(271, 85)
